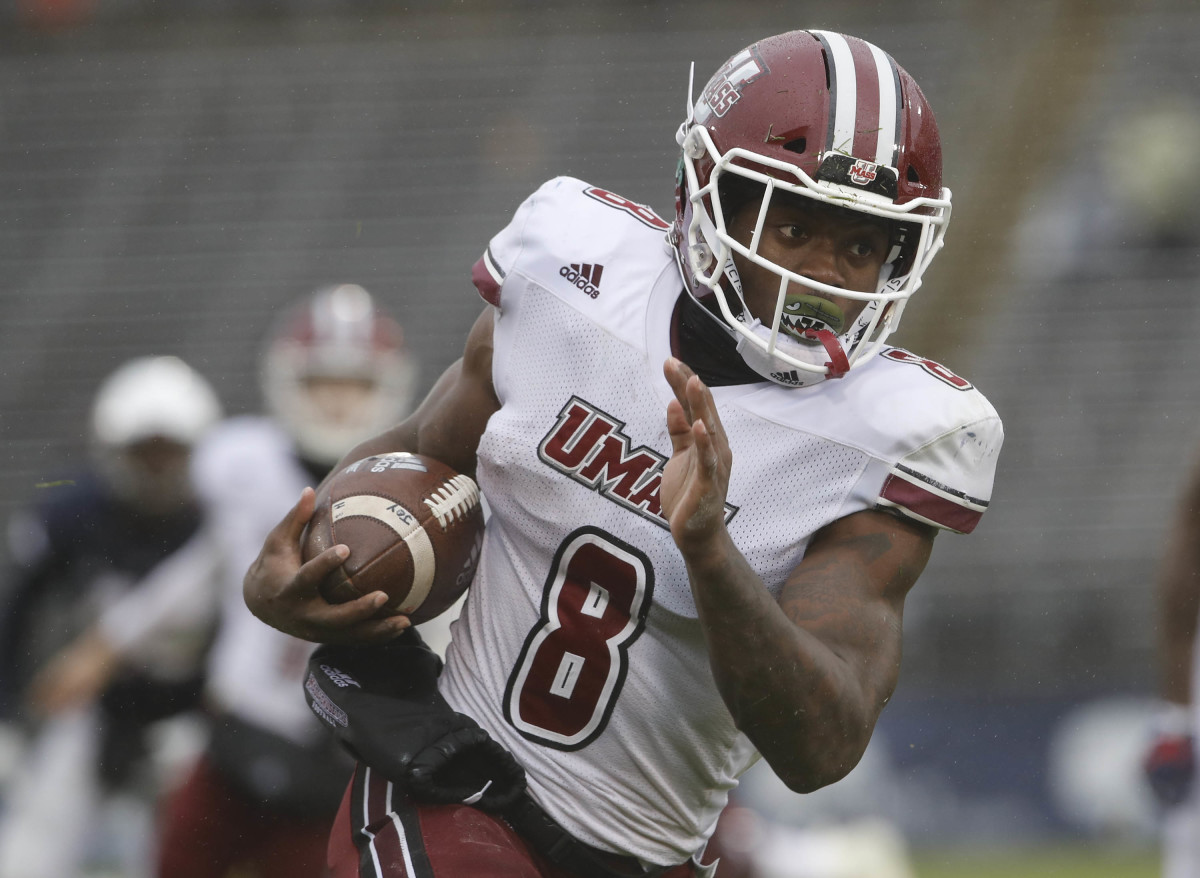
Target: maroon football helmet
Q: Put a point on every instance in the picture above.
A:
(822, 116)
(336, 371)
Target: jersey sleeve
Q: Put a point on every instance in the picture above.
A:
(947, 482)
(504, 249)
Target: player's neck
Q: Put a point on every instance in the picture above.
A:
(698, 340)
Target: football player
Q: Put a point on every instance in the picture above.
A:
(88, 541)
(334, 370)
(712, 485)
(1170, 763)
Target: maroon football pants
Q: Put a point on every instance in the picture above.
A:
(378, 833)
(208, 829)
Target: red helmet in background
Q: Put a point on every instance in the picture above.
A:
(336, 372)
(823, 116)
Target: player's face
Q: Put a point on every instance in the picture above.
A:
(153, 474)
(835, 246)
(159, 456)
(340, 401)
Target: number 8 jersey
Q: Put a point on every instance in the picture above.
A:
(579, 647)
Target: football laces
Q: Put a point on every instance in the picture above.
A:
(453, 500)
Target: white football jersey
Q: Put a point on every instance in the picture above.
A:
(248, 476)
(581, 651)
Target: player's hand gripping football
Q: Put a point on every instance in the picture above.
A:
(696, 478)
(284, 593)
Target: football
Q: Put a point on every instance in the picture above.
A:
(414, 528)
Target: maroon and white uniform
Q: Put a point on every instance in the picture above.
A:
(579, 649)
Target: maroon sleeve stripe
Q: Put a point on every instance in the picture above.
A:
(487, 276)
(929, 506)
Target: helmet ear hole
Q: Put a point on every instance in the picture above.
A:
(904, 244)
(913, 176)
(799, 145)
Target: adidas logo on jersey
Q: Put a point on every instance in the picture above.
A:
(585, 276)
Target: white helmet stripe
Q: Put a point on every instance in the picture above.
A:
(844, 86)
(888, 147)
(346, 314)
(843, 83)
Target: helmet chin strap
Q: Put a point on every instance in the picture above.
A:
(839, 363)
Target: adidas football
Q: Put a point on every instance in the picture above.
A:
(414, 528)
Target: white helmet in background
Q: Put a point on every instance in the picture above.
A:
(146, 417)
(336, 372)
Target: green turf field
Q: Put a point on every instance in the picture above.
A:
(1090, 861)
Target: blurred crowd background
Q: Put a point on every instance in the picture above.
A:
(174, 173)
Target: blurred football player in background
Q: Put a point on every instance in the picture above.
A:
(1171, 762)
(87, 542)
(261, 796)
(711, 488)
(1149, 215)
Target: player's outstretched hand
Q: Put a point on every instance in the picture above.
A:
(696, 478)
(283, 592)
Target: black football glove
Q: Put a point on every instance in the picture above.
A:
(382, 703)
